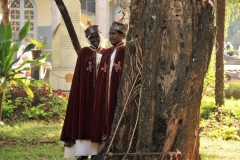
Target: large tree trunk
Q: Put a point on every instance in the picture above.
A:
(6, 11)
(219, 85)
(169, 49)
(68, 22)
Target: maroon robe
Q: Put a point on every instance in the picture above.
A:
(105, 97)
(77, 123)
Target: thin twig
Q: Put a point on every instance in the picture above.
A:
(134, 82)
(138, 114)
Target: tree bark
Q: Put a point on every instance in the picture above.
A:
(219, 85)
(67, 20)
(1, 102)
(5, 11)
(167, 56)
(6, 18)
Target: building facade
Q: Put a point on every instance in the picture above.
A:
(46, 18)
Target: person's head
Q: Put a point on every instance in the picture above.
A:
(117, 33)
(92, 34)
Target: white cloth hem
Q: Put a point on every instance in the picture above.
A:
(82, 148)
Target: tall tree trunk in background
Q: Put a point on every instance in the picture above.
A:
(219, 85)
(1, 102)
(5, 4)
(5, 11)
(68, 22)
(168, 53)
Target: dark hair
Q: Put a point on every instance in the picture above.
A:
(120, 32)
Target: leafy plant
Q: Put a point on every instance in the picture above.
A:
(232, 90)
(222, 122)
(8, 109)
(46, 103)
(207, 109)
(7, 50)
(36, 113)
(39, 45)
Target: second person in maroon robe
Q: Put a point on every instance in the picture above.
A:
(108, 80)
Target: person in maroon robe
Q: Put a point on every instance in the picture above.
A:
(108, 80)
(76, 130)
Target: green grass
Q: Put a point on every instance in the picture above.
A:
(217, 149)
(228, 126)
(31, 140)
(39, 140)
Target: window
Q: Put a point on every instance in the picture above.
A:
(21, 11)
(88, 5)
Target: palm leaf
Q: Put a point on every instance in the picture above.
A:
(7, 40)
(3, 83)
(19, 70)
(14, 48)
(39, 64)
(38, 60)
(7, 45)
(9, 58)
(24, 31)
(28, 48)
(25, 87)
(2, 30)
(43, 56)
(24, 63)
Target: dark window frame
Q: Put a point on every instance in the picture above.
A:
(88, 5)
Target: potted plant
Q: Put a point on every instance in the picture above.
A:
(39, 47)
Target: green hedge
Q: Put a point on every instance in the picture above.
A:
(46, 103)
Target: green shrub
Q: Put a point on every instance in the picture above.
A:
(207, 109)
(225, 133)
(36, 113)
(45, 104)
(230, 53)
(222, 122)
(8, 110)
(232, 90)
(231, 110)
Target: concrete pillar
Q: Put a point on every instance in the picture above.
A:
(102, 16)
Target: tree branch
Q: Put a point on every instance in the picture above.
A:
(67, 20)
(5, 11)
